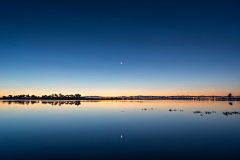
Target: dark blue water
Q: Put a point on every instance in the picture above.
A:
(119, 130)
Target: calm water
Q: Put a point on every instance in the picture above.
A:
(119, 130)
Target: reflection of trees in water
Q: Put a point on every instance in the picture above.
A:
(224, 113)
(53, 103)
(230, 113)
(175, 110)
(206, 112)
(59, 103)
(20, 102)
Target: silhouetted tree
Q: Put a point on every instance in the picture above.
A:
(78, 95)
(229, 95)
(22, 96)
(60, 95)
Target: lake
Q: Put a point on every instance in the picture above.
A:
(119, 130)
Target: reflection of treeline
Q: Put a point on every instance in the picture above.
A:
(52, 96)
(230, 113)
(21, 102)
(53, 103)
(225, 113)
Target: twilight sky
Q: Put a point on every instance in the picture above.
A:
(166, 47)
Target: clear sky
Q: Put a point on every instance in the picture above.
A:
(166, 47)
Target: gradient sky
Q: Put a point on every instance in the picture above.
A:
(166, 47)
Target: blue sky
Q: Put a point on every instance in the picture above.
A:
(167, 48)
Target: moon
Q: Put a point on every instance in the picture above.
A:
(120, 62)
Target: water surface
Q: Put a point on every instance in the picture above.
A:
(119, 130)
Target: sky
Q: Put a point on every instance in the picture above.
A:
(120, 47)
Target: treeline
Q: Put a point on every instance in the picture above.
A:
(53, 103)
(52, 96)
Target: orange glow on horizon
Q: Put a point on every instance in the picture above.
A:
(114, 92)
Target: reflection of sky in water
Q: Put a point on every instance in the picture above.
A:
(119, 129)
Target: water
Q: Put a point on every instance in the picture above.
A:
(119, 130)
